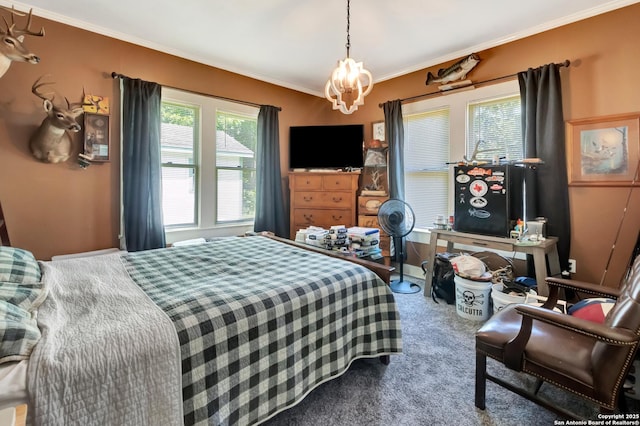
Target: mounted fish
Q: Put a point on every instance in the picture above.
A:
(51, 143)
(456, 72)
(12, 48)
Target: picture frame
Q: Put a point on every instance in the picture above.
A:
(96, 137)
(604, 151)
(378, 130)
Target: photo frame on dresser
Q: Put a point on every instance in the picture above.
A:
(604, 151)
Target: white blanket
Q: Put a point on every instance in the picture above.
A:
(107, 356)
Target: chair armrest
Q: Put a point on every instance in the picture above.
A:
(585, 287)
(612, 336)
(514, 349)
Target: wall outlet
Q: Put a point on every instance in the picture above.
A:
(572, 266)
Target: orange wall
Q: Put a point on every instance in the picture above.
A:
(59, 208)
(56, 209)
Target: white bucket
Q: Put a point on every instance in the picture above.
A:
(472, 299)
(500, 299)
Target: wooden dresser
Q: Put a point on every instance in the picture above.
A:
(322, 199)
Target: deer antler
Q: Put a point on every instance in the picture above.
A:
(27, 29)
(17, 32)
(12, 10)
(37, 85)
(77, 104)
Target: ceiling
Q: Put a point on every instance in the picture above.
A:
(297, 43)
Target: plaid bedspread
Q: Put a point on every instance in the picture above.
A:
(261, 323)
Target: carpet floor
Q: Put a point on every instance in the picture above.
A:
(431, 383)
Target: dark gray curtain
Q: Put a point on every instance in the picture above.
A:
(547, 190)
(141, 165)
(270, 208)
(394, 135)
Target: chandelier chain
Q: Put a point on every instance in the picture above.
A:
(348, 45)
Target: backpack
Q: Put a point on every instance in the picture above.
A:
(442, 284)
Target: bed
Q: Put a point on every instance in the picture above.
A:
(232, 331)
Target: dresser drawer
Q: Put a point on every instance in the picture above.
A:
(370, 205)
(337, 182)
(369, 222)
(324, 218)
(322, 199)
(306, 182)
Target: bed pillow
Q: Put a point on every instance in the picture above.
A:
(18, 266)
(19, 333)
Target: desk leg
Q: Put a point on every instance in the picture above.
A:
(540, 264)
(431, 260)
(554, 262)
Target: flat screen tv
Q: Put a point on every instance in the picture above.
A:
(326, 147)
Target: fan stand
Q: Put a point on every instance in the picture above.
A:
(400, 285)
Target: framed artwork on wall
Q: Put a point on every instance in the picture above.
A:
(378, 130)
(96, 136)
(604, 151)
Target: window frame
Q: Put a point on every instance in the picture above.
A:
(195, 166)
(457, 103)
(206, 225)
(229, 168)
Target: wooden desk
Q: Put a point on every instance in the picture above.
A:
(540, 251)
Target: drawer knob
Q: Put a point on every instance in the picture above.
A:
(307, 198)
(337, 199)
(338, 218)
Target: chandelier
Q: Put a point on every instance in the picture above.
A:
(345, 87)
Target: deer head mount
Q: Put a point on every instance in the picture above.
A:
(51, 143)
(12, 48)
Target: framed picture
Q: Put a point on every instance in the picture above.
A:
(603, 151)
(96, 136)
(96, 104)
(378, 130)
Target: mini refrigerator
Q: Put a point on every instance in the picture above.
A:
(488, 198)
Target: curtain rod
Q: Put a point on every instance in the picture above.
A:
(566, 63)
(115, 75)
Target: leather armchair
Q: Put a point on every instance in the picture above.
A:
(589, 359)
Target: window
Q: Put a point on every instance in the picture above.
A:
(208, 150)
(445, 129)
(426, 155)
(236, 138)
(495, 128)
(179, 136)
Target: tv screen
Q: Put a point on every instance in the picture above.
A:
(326, 147)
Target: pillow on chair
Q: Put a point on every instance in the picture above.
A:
(593, 309)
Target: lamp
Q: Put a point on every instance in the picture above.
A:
(345, 87)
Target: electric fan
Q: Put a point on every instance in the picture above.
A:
(396, 218)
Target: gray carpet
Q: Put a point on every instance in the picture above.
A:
(431, 383)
